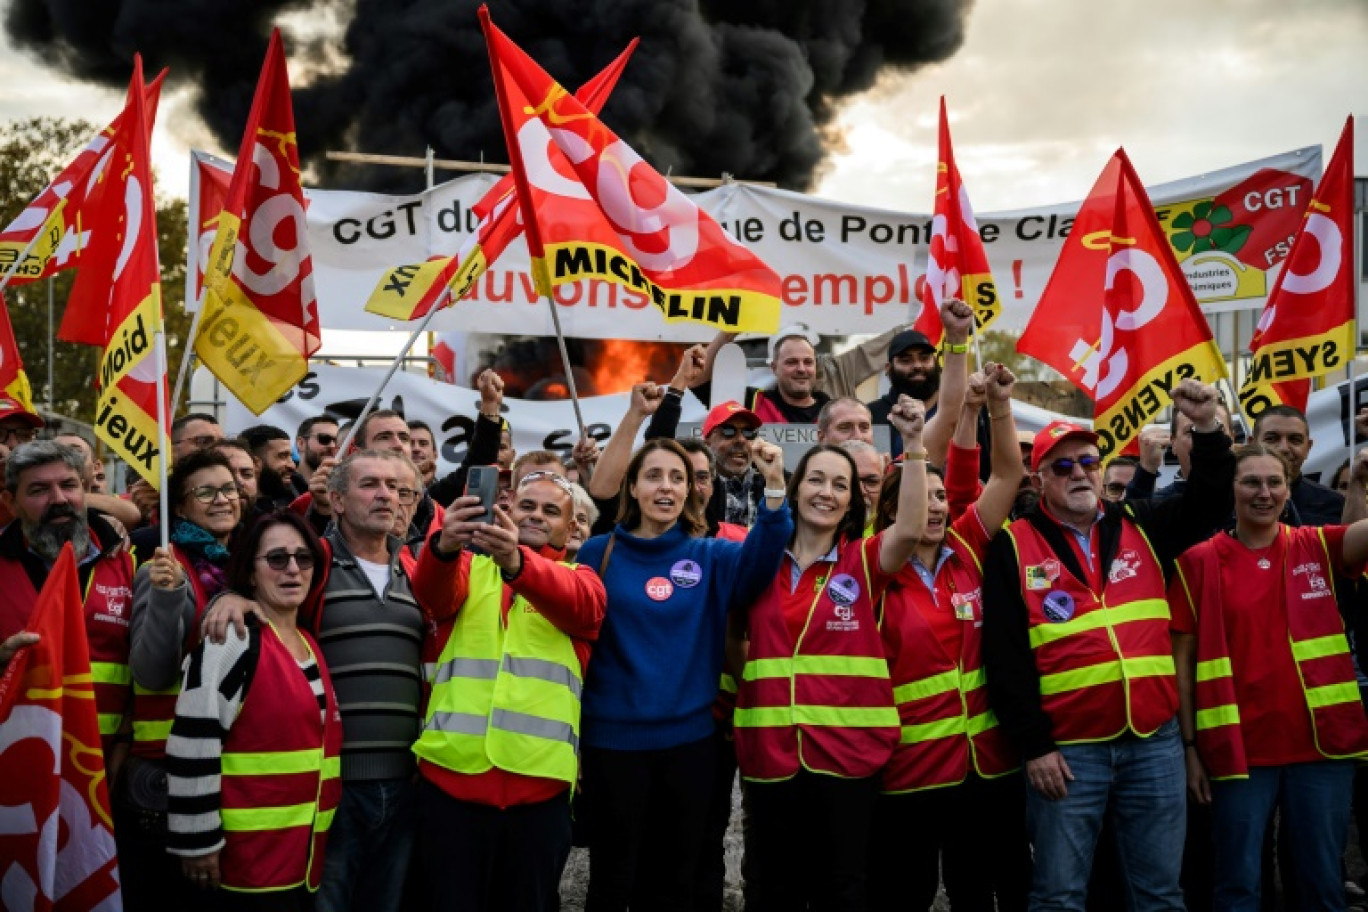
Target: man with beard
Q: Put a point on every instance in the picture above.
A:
(43, 491)
(271, 446)
(316, 441)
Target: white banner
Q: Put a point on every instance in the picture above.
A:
(846, 269)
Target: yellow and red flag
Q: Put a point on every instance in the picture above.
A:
(115, 302)
(1307, 327)
(260, 321)
(410, 292)
(57, 214)
(1117, 317)
(956, 266)
(611, 216)
(13, 381)
(56, 833)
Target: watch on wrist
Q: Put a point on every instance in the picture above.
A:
(776, 493)
(955, 348)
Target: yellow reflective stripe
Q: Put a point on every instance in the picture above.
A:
(151, 731)
(727, 683)
(1332, 694)
(324, 821)
(242, 820)
(973, 680)
(111, 673)
(849, 666)
(1142, 610)
(944, 682)
(846, 716)
(930, 731)
(110, 722)
(1216, 716)
(1320, 647)
(759, 669)
(1062, 681)
(332, 767)
(272, 763)
(763, 717)
(1147, 666)
(979, 724)
(1211, 669)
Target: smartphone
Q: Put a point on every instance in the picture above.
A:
(483, 482)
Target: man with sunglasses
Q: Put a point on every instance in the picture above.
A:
(316, 441)
(728, 430)
(1078, 656)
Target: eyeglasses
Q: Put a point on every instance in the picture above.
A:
(200, 442)
(405, 496)
(206, 494)
(18, 434)
(729, 432)
(278, 559)
(1063, 468)
(558, 480)
(325, 439)
(1114, 488)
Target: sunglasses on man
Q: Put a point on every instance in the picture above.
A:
(1063, 468)
(729, 432)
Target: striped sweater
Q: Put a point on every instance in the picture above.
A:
(215, 685)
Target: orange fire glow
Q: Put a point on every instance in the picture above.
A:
(619, 363)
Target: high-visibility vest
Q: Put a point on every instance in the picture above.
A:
(505, 696)
(947, 728)
(1105, 658)
(108, 604)
(1315, 636)
(154, 710)
(281, 779)
(825, 702)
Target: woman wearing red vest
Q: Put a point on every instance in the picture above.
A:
(169, 595)
(954, 771)
(815, 719)
(1270, 711)
(252, 760)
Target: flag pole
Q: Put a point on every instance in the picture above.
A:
(159, 340)
(189, 353)
(569, 370)
(1355, 224)
(394, 366)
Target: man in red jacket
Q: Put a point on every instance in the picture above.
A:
(499, 749)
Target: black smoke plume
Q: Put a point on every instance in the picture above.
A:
(746, 87)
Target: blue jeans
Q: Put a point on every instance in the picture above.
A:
(369, 847)
(1315, 800)
(1145, 782)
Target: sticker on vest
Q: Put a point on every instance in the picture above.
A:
(114, 608)
(686, 574)
(1124, 566)
(1040, 576)
(1319, 588)
(1059, 606)
(844, 589)
(963, 605)
(659, 588)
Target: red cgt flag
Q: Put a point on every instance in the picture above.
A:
(956, 266)
(410, 292)
(1307, 326)
(115, 302)
(1117, 317)
(56, 835)
(260, 322)
(612, 216)
(57, 214)
(13, 380)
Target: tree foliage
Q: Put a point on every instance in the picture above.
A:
(32, 152)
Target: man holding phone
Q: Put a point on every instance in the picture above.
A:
(499, 748)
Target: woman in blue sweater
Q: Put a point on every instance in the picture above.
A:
(646, 726)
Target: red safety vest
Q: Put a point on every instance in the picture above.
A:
(947, 728)
(1315, 635)
(108, 603)
(281, 776)
(154, 710)
(1105, 658)
(824, 703)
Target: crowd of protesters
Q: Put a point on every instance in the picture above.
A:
(977, 660)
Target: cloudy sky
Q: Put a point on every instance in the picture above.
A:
(1040, 95)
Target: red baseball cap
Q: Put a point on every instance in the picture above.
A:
(11, 408)
(723, 413)
(1052, 435)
